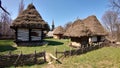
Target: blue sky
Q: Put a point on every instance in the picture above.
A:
(61, 11)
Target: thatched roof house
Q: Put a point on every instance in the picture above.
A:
(58, 32)
(50, 34)
(84, 31)
(94, 25)
(77, 29)
(29, 26)
(29, 18)
(78, 33)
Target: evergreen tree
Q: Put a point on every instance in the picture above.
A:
(53, 26)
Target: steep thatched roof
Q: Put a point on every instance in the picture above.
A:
(87, 27)
(77, 29)
(58, 30)
(50, 34)
(94, 25)
(29, 18)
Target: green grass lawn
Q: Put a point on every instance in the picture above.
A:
(107, 57)
(8, 45)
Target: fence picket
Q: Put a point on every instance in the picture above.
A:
(20, 59)
(82, 50)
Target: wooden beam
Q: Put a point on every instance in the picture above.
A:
(42, 35)
(30, 35)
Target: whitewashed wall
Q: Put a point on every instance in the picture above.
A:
(55, 36)
(39, 32)
(75, 44)
(23, 34)
(93, 39)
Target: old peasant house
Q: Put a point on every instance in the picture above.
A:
(58, 32)
(98, 32)
(78, 33)
(87, 31)
(29, 27)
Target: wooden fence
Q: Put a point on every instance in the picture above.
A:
(79, 51)
(22, 59)
(38, 58)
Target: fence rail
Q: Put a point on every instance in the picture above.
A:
(79, 51)
(22, 59)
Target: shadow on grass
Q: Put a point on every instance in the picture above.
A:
(6, 48)
(53, 43)
(32, 64)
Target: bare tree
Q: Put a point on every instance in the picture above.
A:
(115, 4)
(3, 8)
(21, 6)
(67, 25)
(110, 18)
(5, 24)
(117, 31)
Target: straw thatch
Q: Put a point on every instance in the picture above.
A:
(58, 30)
(50, 34)
(29, 18)
(77, 29)
(94, 25)
(87, 27)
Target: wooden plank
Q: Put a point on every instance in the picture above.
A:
(29, 34)
(39, 34)
(23, 34)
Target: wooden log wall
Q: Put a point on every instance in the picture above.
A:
(38, 36)
(23, 35)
